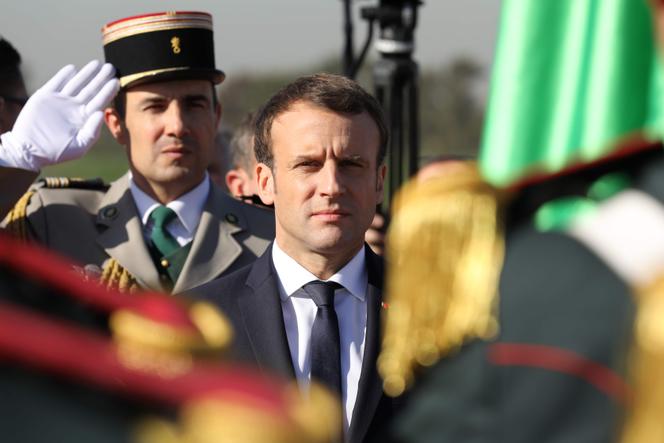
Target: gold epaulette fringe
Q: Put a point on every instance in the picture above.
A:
(16, 220)
(444, 252)
(643, 421)
(239, 417)
(115, 276)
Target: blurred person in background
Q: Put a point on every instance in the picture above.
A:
(12, 88)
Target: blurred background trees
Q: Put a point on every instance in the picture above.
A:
(451, 111)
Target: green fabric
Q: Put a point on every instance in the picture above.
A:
(176, 262)
(608, 186)
(571, 78)
(559, 213)
(161, 239)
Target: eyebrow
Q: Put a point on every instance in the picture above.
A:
(196, 97)
(153, 99)
(301, 158)
(351, 158)
(162, 98)
(354, 158)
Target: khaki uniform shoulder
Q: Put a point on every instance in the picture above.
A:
(53, 190)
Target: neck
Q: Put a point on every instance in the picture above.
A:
(321, 264)
(164, 194)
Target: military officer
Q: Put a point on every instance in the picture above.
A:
(163, 225)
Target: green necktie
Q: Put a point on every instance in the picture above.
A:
(162, 240)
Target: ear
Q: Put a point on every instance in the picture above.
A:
(116, 126)
(380, 182)
(236, 182)
(266, 186)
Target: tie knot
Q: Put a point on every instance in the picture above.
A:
(161, 216)
(322, 292)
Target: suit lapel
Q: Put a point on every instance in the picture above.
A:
(213, 248)
(263, 318)
(370, 386)
(122, 238)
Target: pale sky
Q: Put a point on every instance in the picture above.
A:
(256, 35)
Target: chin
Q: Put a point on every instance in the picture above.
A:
(338, 243)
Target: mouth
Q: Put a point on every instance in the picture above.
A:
(175, 151)
(330, 215)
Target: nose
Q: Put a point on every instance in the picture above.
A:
(331, 181)
(175, 124)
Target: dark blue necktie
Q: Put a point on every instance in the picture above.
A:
(325, 347)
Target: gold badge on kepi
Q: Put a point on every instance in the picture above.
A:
(175, 43)
(149, 48)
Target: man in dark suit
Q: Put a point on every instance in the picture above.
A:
(320, 144)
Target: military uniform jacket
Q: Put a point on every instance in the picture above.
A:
(90, 226)
(556, 372)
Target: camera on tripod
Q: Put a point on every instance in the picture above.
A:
(397, 20)
(395, 76)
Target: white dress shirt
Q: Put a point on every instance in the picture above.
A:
(299, 312)
(188, 208)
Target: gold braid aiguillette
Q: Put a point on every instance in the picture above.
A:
(444, 252)
(115, 276)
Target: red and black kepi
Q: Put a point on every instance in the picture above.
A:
(161, 46)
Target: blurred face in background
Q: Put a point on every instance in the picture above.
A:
(11, 103)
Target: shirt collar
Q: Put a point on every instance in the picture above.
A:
(353, 276)
(188, 207)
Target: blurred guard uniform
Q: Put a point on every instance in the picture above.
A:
(79, 363)
(99, 226)
(522, 330)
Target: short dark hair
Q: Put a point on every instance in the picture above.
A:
(241, 148)
(10, 74)
(333, 92)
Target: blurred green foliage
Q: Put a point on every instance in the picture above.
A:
(106, 159)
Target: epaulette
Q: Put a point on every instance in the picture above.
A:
(150, 318)
(445, 244)
(643, 419)
(591, 181)
(149, 350)
(15, 221)
(72, 183)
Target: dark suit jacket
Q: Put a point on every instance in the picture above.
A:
(250, 298)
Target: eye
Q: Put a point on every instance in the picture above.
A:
(351, 163)
(308, 164)
(153, 107)
(198, 104)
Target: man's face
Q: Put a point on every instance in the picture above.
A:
(324, 183)
(169, 131)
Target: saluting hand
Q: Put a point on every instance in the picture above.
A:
(61, 121)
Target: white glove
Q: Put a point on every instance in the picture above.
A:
(61, 121)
